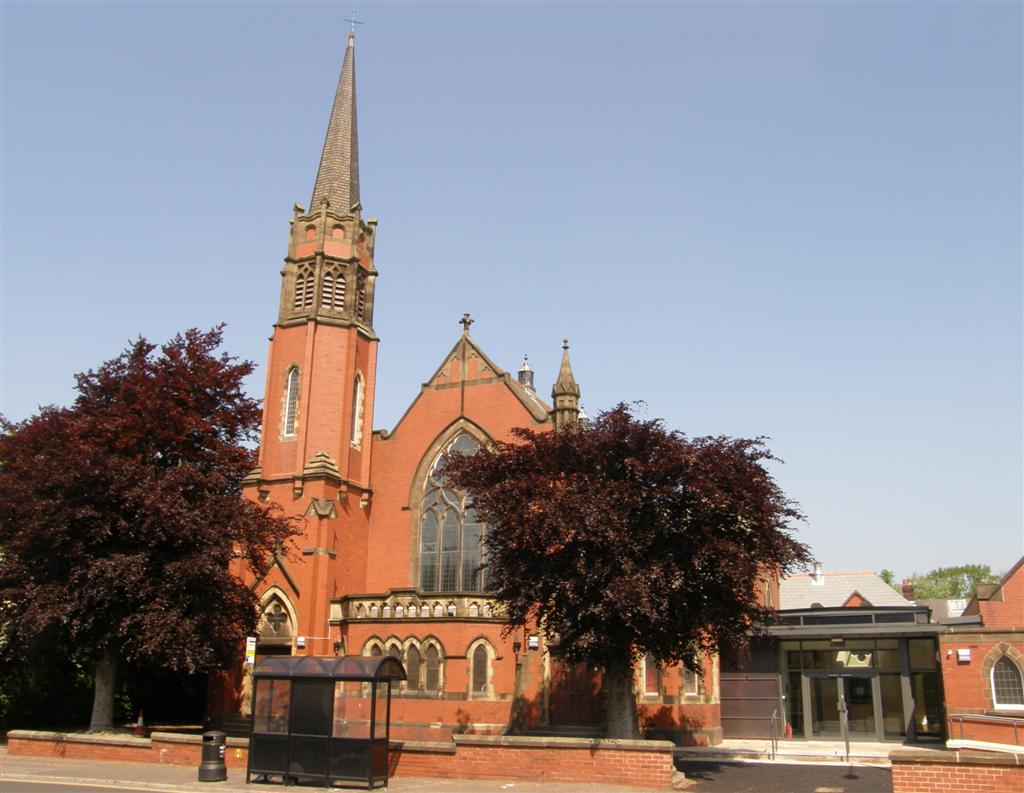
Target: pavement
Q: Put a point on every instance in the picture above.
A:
(159, 778)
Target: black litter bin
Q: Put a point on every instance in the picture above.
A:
(212, 768)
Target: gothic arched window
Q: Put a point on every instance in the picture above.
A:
(412, 668)
(304, 287)
(451, 536)
(480, 661)
(651, 675)
(433, 669)
(1007, 686)
(332, 293)
(358, 397)
(291, 401)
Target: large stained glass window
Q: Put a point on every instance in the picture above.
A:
(451, 537)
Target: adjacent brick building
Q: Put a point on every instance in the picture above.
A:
(389, 558)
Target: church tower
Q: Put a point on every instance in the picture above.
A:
(314, 457)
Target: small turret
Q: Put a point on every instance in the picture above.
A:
(565, 393)
(526, 375)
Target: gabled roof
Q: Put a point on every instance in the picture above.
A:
(487, 372)
(800, 592)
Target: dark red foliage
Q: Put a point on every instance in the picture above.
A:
(120, 516)
(625, 538)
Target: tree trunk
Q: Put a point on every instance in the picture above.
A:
(618, 685)
(103, 698)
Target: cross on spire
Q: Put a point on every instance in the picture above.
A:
(353, 20)
(466, 321)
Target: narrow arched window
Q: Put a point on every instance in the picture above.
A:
(650, 675)
(433, 671)
(358, 397)
(480, 662)
(327, 290)
(451, 535)
(412, 669)
(291, 401)
(361, 296)
(339, 292)
(1007, 686)
(300, 292)
(375, 651)
(395, 651)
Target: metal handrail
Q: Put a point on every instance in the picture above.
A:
(775, 732)
(975, 718)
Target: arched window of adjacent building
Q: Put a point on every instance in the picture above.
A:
(480, 664)
(412, 668)
(432, 676)
(291, 401)
(1007, 685)
(358, 397)
(451, 536)
(651, 676)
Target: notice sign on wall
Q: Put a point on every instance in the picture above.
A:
(250, 651)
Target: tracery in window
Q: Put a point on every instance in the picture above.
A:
(276, 622)
(291, 402)
(451, 536)
(1007, 685)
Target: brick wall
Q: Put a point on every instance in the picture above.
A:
(937, 771)
(167, 748)
(646, 764)
(634, 763)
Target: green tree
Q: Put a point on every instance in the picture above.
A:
(952, 582)
(120, 517)
(623, 538)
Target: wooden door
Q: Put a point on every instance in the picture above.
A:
(576, 698)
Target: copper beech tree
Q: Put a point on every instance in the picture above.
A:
(120, 515)
(624, 538)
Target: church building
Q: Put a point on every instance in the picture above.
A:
(389, 558)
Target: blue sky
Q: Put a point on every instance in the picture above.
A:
(800, 220)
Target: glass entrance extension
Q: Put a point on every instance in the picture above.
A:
(885, 686)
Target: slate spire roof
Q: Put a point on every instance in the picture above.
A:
(337, 180)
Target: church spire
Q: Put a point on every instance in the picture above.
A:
(566, 393)
(337, 180)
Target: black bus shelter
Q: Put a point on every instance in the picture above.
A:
(322, 719)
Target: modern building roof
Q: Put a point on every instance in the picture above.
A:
(833, 590)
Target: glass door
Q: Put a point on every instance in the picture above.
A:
(831, 695)
(860, 706)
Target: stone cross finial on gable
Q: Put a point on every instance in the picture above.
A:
(466, 321)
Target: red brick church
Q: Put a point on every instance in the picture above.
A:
(389, 558)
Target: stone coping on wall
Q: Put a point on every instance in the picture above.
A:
(117, 738)
(954, 757)
(554, 742)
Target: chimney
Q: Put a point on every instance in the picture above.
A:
(818, 576)
(908, 588)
